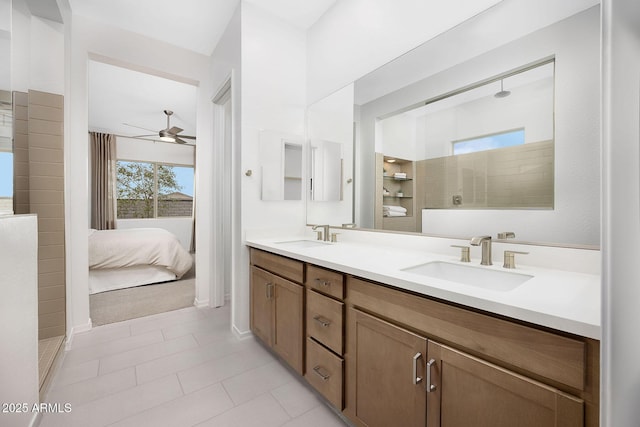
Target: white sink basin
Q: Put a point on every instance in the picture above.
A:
(485, 278)
(302, 243)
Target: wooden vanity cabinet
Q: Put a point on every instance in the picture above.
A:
(468, 388)
(386, 373)
(389, 357)
(277, 306)
(485, 371)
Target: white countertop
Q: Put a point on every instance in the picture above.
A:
(562, 300)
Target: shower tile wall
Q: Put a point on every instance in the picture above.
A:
(39, 136)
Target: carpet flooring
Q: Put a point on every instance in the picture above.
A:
(130, 303)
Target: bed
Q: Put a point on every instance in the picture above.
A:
(125, 258)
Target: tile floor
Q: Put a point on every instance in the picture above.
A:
(182, 368)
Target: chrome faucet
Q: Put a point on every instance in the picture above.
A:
(325, 232)
(485, 241)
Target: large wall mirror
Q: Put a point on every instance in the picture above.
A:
(553, 55)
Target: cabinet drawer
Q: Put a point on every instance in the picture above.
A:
(285, 267)
(325, 320)
(325, 281)
(324, 372)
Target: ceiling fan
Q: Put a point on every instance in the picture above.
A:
(170, 133)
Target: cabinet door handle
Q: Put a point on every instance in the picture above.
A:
(322, 321)
(321, 373)
(322, 282)
(430, 387)
(416, 379)
(269, 290)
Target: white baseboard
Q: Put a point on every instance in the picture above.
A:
(201, 304)
(240, 334)
(77, 330)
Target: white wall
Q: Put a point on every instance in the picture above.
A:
(273, 98)
(37, 52)
(87, 39)
(620, 371)
(19, 316)
(152, 151)
(576, 217)
(226, 231)
(355, 37)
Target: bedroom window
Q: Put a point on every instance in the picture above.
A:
(153, 190)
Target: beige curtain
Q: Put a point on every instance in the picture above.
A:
(103, 181)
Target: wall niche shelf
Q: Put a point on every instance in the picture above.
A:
(388, 186)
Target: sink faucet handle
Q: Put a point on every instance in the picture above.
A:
(324, 234)
(510, 258)
(507, 235)
(464, 252)
(319, 235)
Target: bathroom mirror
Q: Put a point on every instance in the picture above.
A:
(325, 183)
(330, 187)
(486, 147)
(511, 36)
(281, 158)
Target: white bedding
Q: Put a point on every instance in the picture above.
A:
(125, 248)
(111, 279)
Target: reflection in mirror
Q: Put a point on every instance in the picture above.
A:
(330, 134)
(482, 147)
(6, 153)
(326, 171)
(481, 51)
(281, 160)
(292, 171)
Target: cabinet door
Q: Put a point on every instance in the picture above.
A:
(470, 391)
(288, 332)
(386, 373)
(262, 289)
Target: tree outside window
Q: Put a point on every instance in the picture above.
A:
(150, 190)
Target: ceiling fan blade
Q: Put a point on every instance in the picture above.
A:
(174, 130)
(139, 127)
(187, 137)
(180, 141)
(144, 136)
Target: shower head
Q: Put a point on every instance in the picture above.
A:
(503, 93)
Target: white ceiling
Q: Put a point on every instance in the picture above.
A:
(118, 96)
(192, 24)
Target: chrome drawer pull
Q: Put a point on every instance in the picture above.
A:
(322, 282)
(416, 378)
(321, 373)
(323, 322)
(430, 387)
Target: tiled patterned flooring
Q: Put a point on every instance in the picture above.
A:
(182, 368)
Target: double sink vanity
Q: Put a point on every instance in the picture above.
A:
(397, 330)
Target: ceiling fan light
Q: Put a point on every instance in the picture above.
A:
(166, 136)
